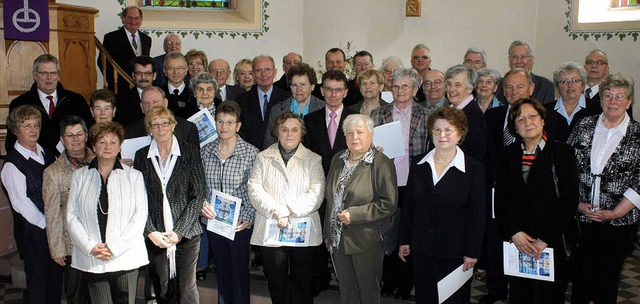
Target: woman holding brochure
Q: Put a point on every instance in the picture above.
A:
(227, 162)
(174, 180)
(286, 188)
(607, 148)
(535, 200)
(443, 220)
(362, 196)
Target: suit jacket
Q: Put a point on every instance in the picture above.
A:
(185, 191)
(317, 137)
(533, 206)
(442, 220)
(418, 136)
(475, 143)
(543, 92)
(68, 103)
(183, 105)
(128, 107)
(556, 125)
(285, 106)
(118, 45)
(282, 83)
(161, 78)
(370, 218)
(253, 125)
(494, 119)
(233, 91)
(185, 131)
(353, 93)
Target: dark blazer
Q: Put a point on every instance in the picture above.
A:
(444, 220)
(368, 218)
(233, 91)
(556, 125)
(494, 119)
(475, 143)
(118, 45)
(285, 106)
(185, 131)
(185, 191)
(317, 137)
(353, 93)
(282, 83)
(161, 78)
(183, 105)
(533, 206)
(253, 126)
(543, 92)
(128, 107)
(69, 103)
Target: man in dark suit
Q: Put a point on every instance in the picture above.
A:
(287, 62)
(181, 100)
(128, 102)
(596, 64)
(362, 61)
(421, 62)
(219, 68)
(152, 97)
(521, 56)
(126, 43)
(517, 84)
(257, 102)
(335, 59)
(53, 101)
(172, 43)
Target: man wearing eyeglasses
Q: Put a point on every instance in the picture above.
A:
(596, 64)
(172, 43)
(220, 69)
(125, 44)
(53, 101)
(421, 62)
(144, 73)
(434, 91)
(521, 56)
(181, 100)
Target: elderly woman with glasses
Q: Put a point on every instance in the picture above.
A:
(22, 178)
(607, 148)
(486, 86)
(565, 113)
(204, 88)
(174, 179)
(196, 62)
(442, 221)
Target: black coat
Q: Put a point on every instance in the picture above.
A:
(556, 125)
(128, 107)
(118, 45)
(253, 126)
(317, 137)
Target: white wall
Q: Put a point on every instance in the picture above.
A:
(311, 27)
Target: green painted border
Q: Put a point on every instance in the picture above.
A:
(596, 34)
(211, 33)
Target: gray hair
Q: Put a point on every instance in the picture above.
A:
(516, 71)
(597, 51)
(520, 42)
(621, 81)
(406, 72)
(487, 72)
(423, 47)
(389, 60)
(166, 38)
(263, 56)
(357, 120)
(203, 78)
(472, 77)
(567, 67)
(45, 58)
(475, 50)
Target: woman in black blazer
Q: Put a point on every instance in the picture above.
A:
(531, 209)
(174, 179)
(443, 220)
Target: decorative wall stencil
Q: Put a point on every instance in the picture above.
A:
(615, 26)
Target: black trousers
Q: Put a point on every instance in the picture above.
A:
(232, 266)
(525, 291)
(74, 284)
(491, 260)
(598, 262)
(44, 276)
(289, 272)
(182, 288)
(429, 271)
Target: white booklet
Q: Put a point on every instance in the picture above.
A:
(523, 265)
(295, 235)
(206, 125)
(227, 209)
(389, 137)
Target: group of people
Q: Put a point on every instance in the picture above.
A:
(485, 158)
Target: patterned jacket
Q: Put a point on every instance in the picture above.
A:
(419, 136)
(622, 171)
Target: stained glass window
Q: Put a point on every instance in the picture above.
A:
(199, 4)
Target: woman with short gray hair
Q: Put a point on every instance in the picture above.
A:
(487, 85)
(205, 89)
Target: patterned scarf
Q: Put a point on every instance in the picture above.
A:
(286, 155)
(79, 162)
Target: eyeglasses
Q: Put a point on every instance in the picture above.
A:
(598, 62)
(228, 123)
(610, 98)
(420, 57)
(334, 90)
(445, 131)
(163, 124)
(267, 71)
(523, 120)
(106, 109)
(173, 43)
(146, 73)
(218, 71)
(301, 86)
(74, 136)
(521, 57)
(48, 74)
(31, 127)
(387, 71)
(469, 62)
(403, 87)
(430, 83)
(179, 69)
(195, 63)
(568, 81)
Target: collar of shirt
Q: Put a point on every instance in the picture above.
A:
(367, 157)
(153, 148)
(295, 107)
(172, 88)
(406, 110)
(139, 92)
(327, 118)
(506, 117)
(559, 107)
(438, 104)
(223, 92)
(261, 94)
(494, 103)
(620, 129)
(541, 144)
(594, 90)
(465, 102)
(45, 101)
(26, 153)
(457, 161)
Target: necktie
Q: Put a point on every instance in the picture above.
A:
(265, 103)
(507, 137)
(333, 127)
(176, 92)
(52, 106)
(133, 42)
(588, 93)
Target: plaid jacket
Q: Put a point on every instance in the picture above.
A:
(418, 136)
